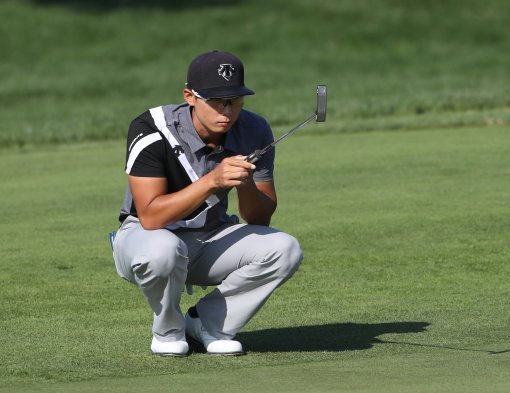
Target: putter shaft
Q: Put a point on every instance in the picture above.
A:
(257, 154)
(319, 115)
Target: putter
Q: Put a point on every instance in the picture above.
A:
(319, 116)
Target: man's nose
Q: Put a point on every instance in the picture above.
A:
(226, 106)
(226, 102)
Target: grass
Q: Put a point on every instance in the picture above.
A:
(404, 281)
(405, 228)
(81, 70)
(410, 374)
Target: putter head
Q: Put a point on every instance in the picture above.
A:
(320, 113)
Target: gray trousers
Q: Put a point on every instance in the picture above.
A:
(246, 263)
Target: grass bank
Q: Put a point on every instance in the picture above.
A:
(81, 70)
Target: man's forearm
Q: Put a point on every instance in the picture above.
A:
(166, 209)
(255, 206)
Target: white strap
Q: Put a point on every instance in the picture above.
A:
(198, 221)
(138, 147)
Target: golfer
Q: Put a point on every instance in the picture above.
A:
(182, 161)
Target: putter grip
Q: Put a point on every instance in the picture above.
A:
(254, 157)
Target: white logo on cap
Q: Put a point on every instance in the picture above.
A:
(226, 71)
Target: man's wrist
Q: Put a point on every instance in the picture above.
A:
(247, 184)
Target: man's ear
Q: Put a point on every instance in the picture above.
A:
(189, 97)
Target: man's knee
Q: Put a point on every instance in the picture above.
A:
(162, 260)
(290, 252)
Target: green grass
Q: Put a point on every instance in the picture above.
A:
(411, 373)
(404, 285)
(81, 70)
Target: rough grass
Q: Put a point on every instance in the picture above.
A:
(81, 70)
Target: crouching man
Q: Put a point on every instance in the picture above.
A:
(182, 161)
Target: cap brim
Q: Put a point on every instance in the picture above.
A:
(226, 91)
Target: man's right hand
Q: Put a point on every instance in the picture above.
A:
(231, 172)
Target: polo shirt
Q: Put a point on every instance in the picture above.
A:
(163, 142)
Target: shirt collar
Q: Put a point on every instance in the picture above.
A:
(185, 126)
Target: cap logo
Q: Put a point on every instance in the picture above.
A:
(226, 71)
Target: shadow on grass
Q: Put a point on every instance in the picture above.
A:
(331, 337)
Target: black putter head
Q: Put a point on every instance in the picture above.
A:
(321, 103)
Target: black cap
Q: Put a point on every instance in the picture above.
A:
(217, 74)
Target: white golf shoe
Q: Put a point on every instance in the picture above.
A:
(169, 348)
(198, 336)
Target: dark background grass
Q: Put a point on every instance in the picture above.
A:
(81, 70)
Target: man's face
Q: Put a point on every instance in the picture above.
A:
(213, 116)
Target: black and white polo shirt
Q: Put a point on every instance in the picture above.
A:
(162, 142)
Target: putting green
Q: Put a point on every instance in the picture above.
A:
(424, 370)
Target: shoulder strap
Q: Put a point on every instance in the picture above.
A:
(199, 220)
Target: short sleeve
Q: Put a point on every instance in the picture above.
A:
(145, 150)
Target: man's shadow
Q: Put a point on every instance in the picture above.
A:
(332, 337)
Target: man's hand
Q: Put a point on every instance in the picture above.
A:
(157, 209)
(232, 172)
(256, 201)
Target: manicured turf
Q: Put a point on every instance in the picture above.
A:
(442, 372)
(404, 285)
